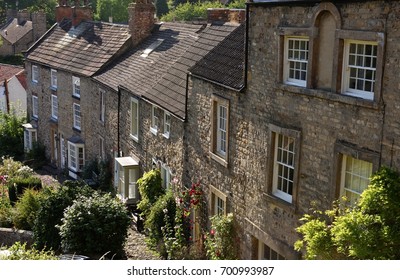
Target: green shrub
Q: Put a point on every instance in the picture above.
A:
(11, 135)
(37, 155)
(51, 211)
(95, 225)
(161, 214)
(10, 167)
(5, 209)
(26, 209)
(101, 175)
(222, 241)
(17, 185)
(19, 251)
(150, 189)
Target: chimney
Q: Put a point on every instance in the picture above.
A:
(141, 19)
(23, 16)
(38, 24)
(80, 11)
(222, 15)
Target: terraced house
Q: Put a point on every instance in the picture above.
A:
(297, 107)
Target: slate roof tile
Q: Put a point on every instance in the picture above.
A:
(82, 50)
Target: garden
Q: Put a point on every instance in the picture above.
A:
(73, 218)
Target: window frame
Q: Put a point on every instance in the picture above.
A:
(167, 124)
(30, 137)
(274, 132)
(76, 87)
(102, 114)
(216, 152)
(53, 79)
(154, 120)
(166, 175)
(286, 61)
(77, 118)
(217, 196)
(35, 73)
(134, 120)
(261, 252)
(343, 177)
(54, 107)
(35, 107)
(368, 95)
(75, 153)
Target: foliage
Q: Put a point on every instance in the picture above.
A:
(17, 186)
(5, 206)
(150, 189)
(161, 214)
(51, 211)
(118, 9)
(161, 7)
(192, 10)
(367, 231)
(38, 155)
(20, 251)
(95, 224)
(10, 167)
(100, 173)
(11, 135)
(12, 59)
(222, 241)
(26, 209)
(48, 6)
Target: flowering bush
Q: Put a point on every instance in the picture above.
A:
(222, 241)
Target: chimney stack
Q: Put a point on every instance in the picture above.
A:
(223, 15)
(80, 11)
(141, 19)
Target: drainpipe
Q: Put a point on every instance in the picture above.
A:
(7, 95)
(118, 121)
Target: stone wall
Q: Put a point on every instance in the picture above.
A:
(9, 236)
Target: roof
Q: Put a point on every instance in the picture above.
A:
(83, 49)
(224, 64)
(160, 77)
(13, 32)
(8, 71)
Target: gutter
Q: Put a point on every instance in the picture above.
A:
(217, 83)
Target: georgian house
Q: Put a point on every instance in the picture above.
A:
(59, 68)
(318, 115)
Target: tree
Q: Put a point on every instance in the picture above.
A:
(161, 7)
(370, 230)
(117, 9)
(11, 135)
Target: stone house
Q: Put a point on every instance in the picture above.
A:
(20, 31)
(317, 116)
(59, 67)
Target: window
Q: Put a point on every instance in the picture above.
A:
(285, 149)
(54, 107)
(360, 68)
(220, 128)
(354, 178)
(167, 124)
(102, 106)
(35, 107)
(35, 73)
(102, 150)
(77, 116)
(63, 152)
(296, 60)
(76, 87)
(76, 156)
(266, 253)
(165, 176)
(283, 167)
(134, 119)
(154, 120)
(53, 78)
(218, 202)
(30, 136)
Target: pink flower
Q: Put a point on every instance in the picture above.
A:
(212, 231)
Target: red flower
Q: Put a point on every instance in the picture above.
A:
(212, 231)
